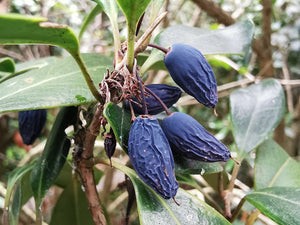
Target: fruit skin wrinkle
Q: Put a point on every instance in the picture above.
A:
(190, 138)
(191, 71)
(151, 156)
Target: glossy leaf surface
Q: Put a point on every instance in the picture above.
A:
(189, 166)
(255, 113)
(281, 204)
(55, 85)
(37, 63)
(20, 29)
(274, 167)
(119, 119)
(133, 10)
(54, 155)
(234, 39)
(155, 210)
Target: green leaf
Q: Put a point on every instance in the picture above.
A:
(281, 204)
(14, 177)
(133, 10)
(30, 65)
(7, 65)
(274, 167)
(54, 155)
(21, 195)
(19, 29)
(54, 85)
(153, 209)
(90, 17)
(37, 63)
(218, 63)
(189, 166)
(14, 211)
(255, 113)
(64, 177)
(234, 39)
(72, 207)
(119, 119)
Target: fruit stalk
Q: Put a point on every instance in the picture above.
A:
(159, 100)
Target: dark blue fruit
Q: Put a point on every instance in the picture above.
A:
(192, 140)
(151, 156)
(31, 124)
(110, 143)
(190, 70)
(168, 94)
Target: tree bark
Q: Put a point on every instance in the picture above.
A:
(84, 146)
(215, 11)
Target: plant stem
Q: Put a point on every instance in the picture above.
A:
(159, 100)
(87, 77)
(237, 210)
(225, 195)
(233, 176)
(130, 47)
(85, 140)
(39, 217)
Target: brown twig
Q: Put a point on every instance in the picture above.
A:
(226, 197)
(166, 21)
(84, 141)
(215, 11)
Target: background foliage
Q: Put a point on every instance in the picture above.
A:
(258, 122)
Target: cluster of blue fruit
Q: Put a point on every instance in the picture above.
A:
(150, 144)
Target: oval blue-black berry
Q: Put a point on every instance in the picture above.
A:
(190, 70)
(31, 124)
(191, 139)
(151, 156)
(168, 94)
(110, 143)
